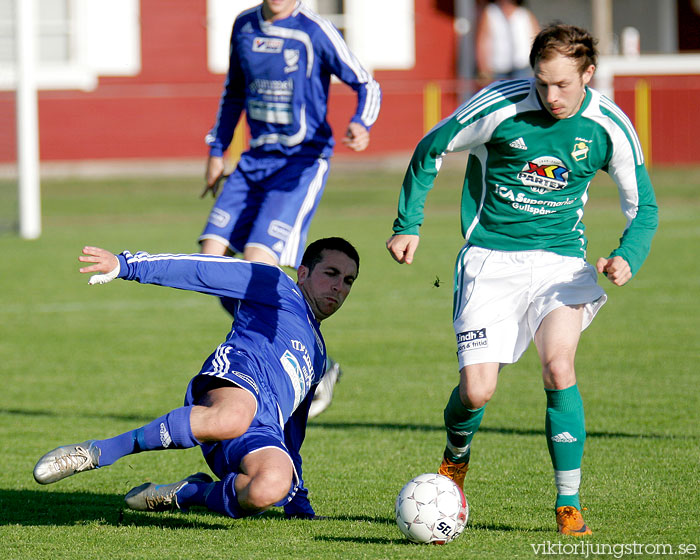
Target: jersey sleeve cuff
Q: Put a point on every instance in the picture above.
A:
(123, 266)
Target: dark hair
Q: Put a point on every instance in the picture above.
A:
(314, 252)
(568, 40)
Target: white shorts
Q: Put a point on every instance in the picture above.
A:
(501, 298)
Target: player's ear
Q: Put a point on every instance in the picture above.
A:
(302, 274)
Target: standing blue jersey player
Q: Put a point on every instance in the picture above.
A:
(247, 407)
(282, 57)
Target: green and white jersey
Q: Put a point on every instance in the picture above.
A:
(528, 173)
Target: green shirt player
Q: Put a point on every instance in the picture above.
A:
(534, 147)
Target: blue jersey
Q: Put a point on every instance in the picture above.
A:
(275, 330)
(279, 73)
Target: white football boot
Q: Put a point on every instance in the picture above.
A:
(324, 392)
(67, 460)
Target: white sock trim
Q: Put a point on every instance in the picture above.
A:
(457, 451)
(567, 482)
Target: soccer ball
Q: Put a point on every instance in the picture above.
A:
(431, 508)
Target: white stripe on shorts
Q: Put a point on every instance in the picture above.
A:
(288, 256)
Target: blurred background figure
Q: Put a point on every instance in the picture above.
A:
(504, 35)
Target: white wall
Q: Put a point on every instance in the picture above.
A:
(379, 32)
(105, 40)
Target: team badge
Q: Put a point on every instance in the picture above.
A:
(291, 59)
(267, 45)
(580, 151)
(544, 174)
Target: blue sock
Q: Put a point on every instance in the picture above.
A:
(193, 494)
(171, 431)
(221, 497)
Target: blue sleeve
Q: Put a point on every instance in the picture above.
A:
(231, 104)
(294, 433)
(337, 58)
(208, 274)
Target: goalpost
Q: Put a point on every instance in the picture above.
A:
(27, 121)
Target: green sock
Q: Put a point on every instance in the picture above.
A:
(461, 424)
(566, 434)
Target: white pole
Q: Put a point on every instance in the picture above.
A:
(603, 25)
(27, 121)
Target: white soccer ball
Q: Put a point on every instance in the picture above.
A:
(431, 508)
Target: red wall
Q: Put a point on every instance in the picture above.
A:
(674, 123)
(166, 110)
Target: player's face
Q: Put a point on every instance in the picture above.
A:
(328, 284)
(277, 9)
(560, 85)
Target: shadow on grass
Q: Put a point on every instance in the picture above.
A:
(278, 514)
(139, 420)
(364, 540)
(37, 508)
(482, 429)
(401, 541)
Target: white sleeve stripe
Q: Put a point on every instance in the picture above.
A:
(372, 102)
(624, 121)
(491, 97)
(147, 257)
(339, 44)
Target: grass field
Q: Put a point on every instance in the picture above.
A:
(78, 362)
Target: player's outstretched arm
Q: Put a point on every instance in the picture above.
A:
(106, 265)
(402, 247)
(357, 137)
(616, 269)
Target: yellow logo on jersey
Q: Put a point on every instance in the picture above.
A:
(580, 151)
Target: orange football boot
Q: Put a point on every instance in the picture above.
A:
(570, 522)
(455, 471)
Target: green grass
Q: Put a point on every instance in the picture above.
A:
(79, 362)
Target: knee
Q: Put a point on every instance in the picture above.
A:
(266, 490)
(213, 247)
(558, 373)
(477, 384)
(475, 396)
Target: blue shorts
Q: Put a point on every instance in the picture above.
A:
(268, 203)
(226, 366)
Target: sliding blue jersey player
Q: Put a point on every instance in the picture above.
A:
(247, 407)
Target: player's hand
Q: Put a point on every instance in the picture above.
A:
(616, 269)
(357, 137)
(106, 265)
(402, 247)
(213, 176)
